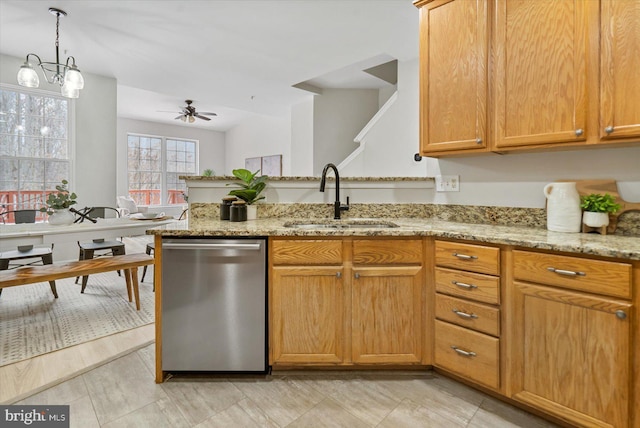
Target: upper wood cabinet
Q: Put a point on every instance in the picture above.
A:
(518, 75)
(619, 69)
(540, 72)
(453, 76)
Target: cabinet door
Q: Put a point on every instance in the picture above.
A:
(619, 69)
(540, 72)
(387, 314)
(453, 75)
(307, 315)
(571, 355)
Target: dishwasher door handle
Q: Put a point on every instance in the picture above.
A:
(176, 246)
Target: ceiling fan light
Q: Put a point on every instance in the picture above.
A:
(73, 78)
(27, 76)
(68, 92)
(183, 118)
(192, 119)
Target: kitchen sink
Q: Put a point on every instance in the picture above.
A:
(348, 224)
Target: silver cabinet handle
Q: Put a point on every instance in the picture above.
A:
(464, 285)
(464, 314)
(464, 256)
(566, 272)
(621, 314)
(608, 129)
(579, 132)
(178, 246)
(338, 274)
(463, 352)
(478, 140)
(356, 275)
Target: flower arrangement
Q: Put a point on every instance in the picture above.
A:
(250, 187)
(599, 203)
(62, 199)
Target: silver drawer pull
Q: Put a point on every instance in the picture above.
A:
(464, 314)
(465, 256)
(566, 272)
(463, 352)
(463, 285)
(338, 274)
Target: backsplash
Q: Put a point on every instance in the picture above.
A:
(628, 223)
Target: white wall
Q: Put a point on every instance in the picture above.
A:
(393, 140)
(338, 116)
(211, 148)
(95, 133)
(302, 139)
(259, 136)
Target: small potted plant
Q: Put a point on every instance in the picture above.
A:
(208, 172)
(597, 208)
(58, 203)
(251, 187)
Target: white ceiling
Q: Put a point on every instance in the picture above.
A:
(234, 57)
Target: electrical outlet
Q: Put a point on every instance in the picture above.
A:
(447, 183)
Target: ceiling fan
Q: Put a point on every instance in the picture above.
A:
(188, 113)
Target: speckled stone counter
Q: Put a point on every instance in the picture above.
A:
(624, 247)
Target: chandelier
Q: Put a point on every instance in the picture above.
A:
(66, 75)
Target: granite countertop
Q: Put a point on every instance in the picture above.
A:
(625, 247)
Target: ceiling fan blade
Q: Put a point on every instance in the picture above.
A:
(200, 116)
(167, 111)
(178, 117)
(207, 113)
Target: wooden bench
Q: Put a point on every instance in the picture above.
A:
(128, 263)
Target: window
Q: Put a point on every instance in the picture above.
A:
(35, 147)
(154, 165)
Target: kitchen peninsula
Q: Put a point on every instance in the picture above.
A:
(508, 309)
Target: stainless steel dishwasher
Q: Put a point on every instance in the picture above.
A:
(214, 298)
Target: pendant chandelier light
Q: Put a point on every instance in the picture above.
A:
(66, 75)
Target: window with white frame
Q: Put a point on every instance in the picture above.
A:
(35, 147)
(154, 165)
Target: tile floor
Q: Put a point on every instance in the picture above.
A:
(122, 393)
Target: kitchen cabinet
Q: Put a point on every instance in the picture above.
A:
(559, 74)
(572, 354)
(541, 72)
(306, 302)
(386, 308)
(454, 43)
(467, 326)
(347, 301)
(619, 65)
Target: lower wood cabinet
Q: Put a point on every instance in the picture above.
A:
(387, 314)
(307, 315)
(367, 310)
(572, 352)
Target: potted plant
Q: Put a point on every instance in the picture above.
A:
(208, 172)
(251, 187)
(58, 203)
(597, 208)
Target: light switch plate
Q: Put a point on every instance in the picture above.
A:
(447, 183)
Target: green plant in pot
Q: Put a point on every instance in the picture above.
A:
(208, 172)
(58, 203)
(251, 187)
(597, 208)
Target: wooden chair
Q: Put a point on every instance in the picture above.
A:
(98, 247)
(27, 255)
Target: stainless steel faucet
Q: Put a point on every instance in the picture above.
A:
(337, 206)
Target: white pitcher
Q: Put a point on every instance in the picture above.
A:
(563, 207)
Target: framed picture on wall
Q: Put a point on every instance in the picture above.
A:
(272, 165)
(253, 164)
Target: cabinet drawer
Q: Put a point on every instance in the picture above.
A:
(474, 258)
(477, 356)
(476, 316)
(476, 286)
(592, 276)
(387, 251)
(306, 252)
